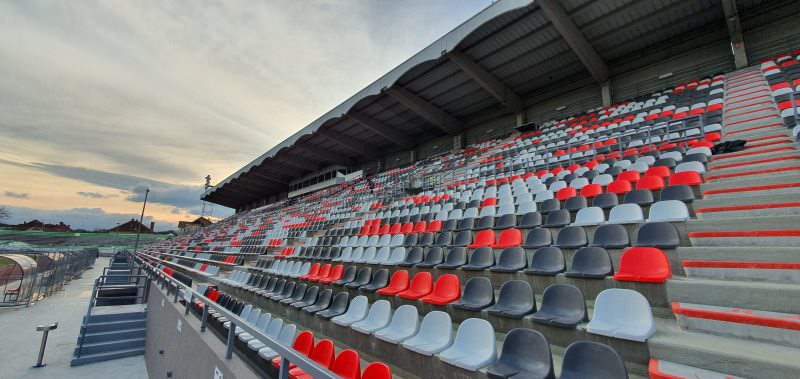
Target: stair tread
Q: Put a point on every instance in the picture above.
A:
(740, 253)
(790, 222)
(116, 331)
(752, 198)
(90, 344)
(113, 352)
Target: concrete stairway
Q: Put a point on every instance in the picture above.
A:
(110, 333)
(737, 308)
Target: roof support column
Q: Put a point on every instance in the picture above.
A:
(605, 93)
(520, 119)
(735, 33)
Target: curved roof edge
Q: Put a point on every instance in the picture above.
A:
(435, 50)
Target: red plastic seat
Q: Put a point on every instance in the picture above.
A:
(690, 178)
(643, 264)
(377, 370)
(591, 190)
(591, 164)
(434, 226)
(566, 193)
(446, 290)
(660, 171)
(373, 229)
(489, 201)
(407, 228)
(557, 170)
(652, 183)
(314, 270)
(303, 344)
(483, 238)
(323, 354)
(395, 229)
(508, 238)
(334, 275)
(421, 285)
(420, 227)
(398, 283)
(384, 229)
(324, 271)
(631, 176)
(347, 365)
(619, 187)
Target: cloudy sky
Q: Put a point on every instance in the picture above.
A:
(102, 99)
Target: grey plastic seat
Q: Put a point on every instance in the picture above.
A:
(297, 294)
(369, 255)
(611, 236)
(323, 302)
(668, 211)
(680, 192)
(338, 306)
(478, 294)
(463, 238)
(433, 257)
(589, 216)
(473, 347)
(278, 288)
(404, 325)
(362, 278)
(286, 337)
(435, 334)
(444, 238)
(662, 235)
(589, 359)
(572, 237)
(480, 259)
(575, 203)
(357, 311)
(622, 313)
(605, 200)
(514, 301)
(547, 261)
(537, 238)
(381, 256)
(261, 324)
(626, 214)
(592, 263)
(456, 257)
(309, 298)
(379, 315)
(425, 239)
(511, 259)
(288, 289)
(380, 279)
(397, 257)
(557, 219)
(348, 276)
(526, 354)
(357, 254)
(506, 221)
(485, 222)
(641, 197)
(414, 256)
(563, 305)
(549, 206)
(411, 240)
(345, 255)
(530, 220)
(274, 331)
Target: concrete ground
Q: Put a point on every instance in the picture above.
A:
(20, 341)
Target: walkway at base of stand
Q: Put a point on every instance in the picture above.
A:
(20, 340)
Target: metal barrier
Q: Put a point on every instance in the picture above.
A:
(287, 354)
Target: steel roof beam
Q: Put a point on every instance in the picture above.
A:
(735, 32)
(387, 132)
(556, 14)
(327, 155)
(300, 162)
(286, 172)
(485, 79)
(351, 144)
(436, 116)
(267, 178)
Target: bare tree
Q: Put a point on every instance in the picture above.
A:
(4, 213)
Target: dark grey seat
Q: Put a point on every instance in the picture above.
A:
(466, 224)
(591, 262)
(277, 289)
(433, 257)
(348, 276)
(426, 239)
(478, 294)
(641, 197)
(288, 289)
(563, 305)
(309, 298)
(506, 221)
(589, 359)
(362, 278)
(572, 237)
(485, 222)
(414, 256)
(443, 239)
(549, 205)
(537, 238)
(514, 301)
(480, 259)
(526, 354)
(530, 220)
(575, 203)
(557, 219)
(380, 279)
(338, 306)
(297, 295)
(449, 225)
(605, 200)
(511, 259)
(668, 162)
(322, 303)
(662, 235)
(463, 238)
(456, 257)
(611, 236)
(410, 240)
(548, 261)
(680, 192)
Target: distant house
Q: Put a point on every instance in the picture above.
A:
(132, 226)
(185, 227)
(41, 226)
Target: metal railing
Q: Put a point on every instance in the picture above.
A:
(287, 354)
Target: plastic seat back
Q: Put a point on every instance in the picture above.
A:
(622, 313)
(511, 259)
(537, 238)
(347, 365)
(589, 359)
(643, 264)
(572, 237)
(480, 259)
(526, 353)
(611, 236)
(562, 305)
(591, 262)
(478, 294)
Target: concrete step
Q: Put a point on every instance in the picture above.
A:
(770, 327)
(771, 297)
(734, 356)
(756, 163)
(739, 107)
(112, 335)
(773, 264)
(784, 181)
(746, 101)
(117, 317)
(758, 204)
(749, 155)
(661, 369)
(107, 326)
(747, 91)
(100, 357)
(110, 346)
(754, 113)
(741, 172)
(754, 130)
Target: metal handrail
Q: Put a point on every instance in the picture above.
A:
(286, 353)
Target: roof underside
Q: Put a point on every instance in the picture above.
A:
(512, 40)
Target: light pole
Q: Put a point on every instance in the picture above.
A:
(141, 218)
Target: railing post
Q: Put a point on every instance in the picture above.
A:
(231, 338)
(188, 304)
(284, 371)
(204, 319)
(175, 299)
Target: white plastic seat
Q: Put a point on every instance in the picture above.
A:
(404, 324)
(622, 313)
(261, 324)
(379, 315)
(345, 255)
(544, 195)
(558, 185)
(603, 179)
(286, 337)
(691, 166)
(579, 183)
(396, 240)
(434, 334)
(273, 330)
(398, 256)
(474, 346)
(626, 214)
(382, 255)
(589, 216)
(357, 254)
(668, 211)
(356, 312)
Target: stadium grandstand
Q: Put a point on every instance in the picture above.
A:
(553, 189)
